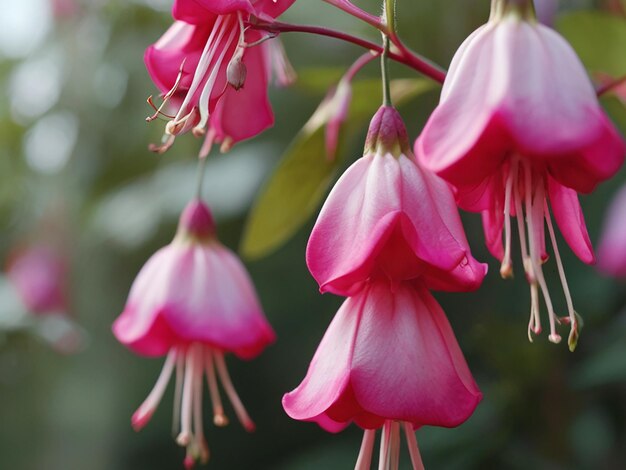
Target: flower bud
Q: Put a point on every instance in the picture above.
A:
(236, 71)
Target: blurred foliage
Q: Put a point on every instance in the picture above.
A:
(73, 135)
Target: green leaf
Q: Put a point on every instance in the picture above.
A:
(598, 38)
(296, 188)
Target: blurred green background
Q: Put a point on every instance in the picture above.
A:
(73, 143)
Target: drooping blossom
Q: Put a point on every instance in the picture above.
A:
(388, 233)
(389, 355)
(612, 245)
(39, 274)
(193, 301)
(518, 133)
(386, 212)
(213, 71)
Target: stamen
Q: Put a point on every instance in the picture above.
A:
(207, 144)
(219, 418)
(240, 410)
(385, 439)
(364, 460)
(203, 103)
(167, 142)
(178, 390)
(394, 446)
(414, 452)
(167, 96)
(534, 215)
(200, 443)
(143, 414)
(506, 269)
(573, 321)
(221, 24)
(185, 436)
(534, 325)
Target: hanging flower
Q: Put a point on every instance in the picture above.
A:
(213, 71)
(387, 213)
(193, 301)
(389, 355)
(518, 133)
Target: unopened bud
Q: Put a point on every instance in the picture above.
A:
(236, 71)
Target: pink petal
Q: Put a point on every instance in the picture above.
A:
(181, 42)
(329, 372)
(244, 113)
(371, 216)
(406, 362)
(570, 219)
(201, 11)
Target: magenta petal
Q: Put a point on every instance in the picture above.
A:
(329, 371)
(386, 355)
(244, 113)
(190, 291)
(383, 206)
(180, 43)
(407, 364)
(201, 11)
(570, 219)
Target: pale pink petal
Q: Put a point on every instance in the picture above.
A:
(371, 217)
(406, 363)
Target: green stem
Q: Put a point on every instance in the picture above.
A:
(384, 69)
(200, 179)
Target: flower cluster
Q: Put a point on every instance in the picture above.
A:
(388, 233)
(518, 133)
(213, 71)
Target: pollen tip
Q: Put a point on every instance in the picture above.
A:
(189, 462)
(506, 271)
(140, 418)
(183, 439)
(554, 338)
(249, 426)
(220, 420)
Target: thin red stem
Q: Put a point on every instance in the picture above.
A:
(610, 86)
(403, 55)
(351, 9)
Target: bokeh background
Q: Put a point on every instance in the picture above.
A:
(75, 169)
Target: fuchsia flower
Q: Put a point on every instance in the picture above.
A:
(519, 131)
(612, 245)
(387, 212)
(388, 232)
(389, 354)
(213, 71)
(39, 274)
(193, 301)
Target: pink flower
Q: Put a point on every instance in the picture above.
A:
(387, 213)
(519, 126)
(193, 301)
(389, 354)
(612, 245)
(213, 71)
(39, 274)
